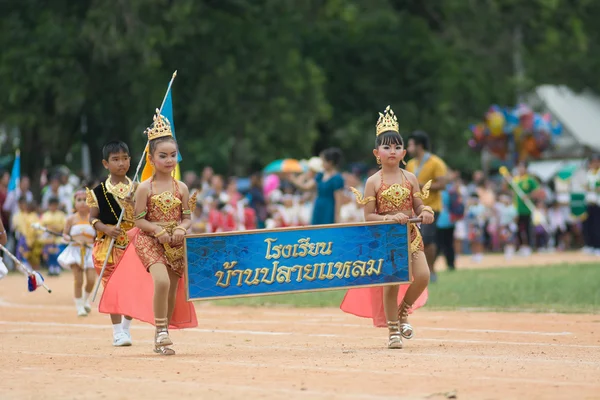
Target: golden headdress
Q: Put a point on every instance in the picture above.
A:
(160, 128)
(387, 122)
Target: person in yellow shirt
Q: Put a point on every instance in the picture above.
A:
(427, 166)
(54, 220)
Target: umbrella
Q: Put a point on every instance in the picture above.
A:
(284, 165)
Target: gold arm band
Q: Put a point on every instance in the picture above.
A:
(428, 209)
(94, 222)
(187, 212)
(159, 234)
(141, 215)
(181, 228)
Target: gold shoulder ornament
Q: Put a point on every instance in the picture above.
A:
(359, 197)
(424, 193)
(90, 198)
(192, 202)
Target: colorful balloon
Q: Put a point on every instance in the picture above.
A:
(495, 122)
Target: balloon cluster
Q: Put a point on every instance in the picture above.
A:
(517, 132)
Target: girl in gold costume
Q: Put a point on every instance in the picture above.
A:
(393, 194)
(163, 209)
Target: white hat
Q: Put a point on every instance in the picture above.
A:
(315, 164)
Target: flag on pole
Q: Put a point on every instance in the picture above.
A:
(15, 175)
(167, 112)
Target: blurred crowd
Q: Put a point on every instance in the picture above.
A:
(479, 214)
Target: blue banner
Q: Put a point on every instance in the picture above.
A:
(325, 257)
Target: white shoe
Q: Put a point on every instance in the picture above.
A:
(121, 339)
(81, 312)
(88, 307)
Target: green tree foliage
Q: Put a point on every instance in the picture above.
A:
(265, 79)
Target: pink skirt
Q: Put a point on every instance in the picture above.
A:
(130, 291)
(368, 303)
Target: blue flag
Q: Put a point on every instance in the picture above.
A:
(167, 112)
(15, 175)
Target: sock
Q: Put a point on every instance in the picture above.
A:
(79, 302)
(125, 324)
(86, 296)
(117, 328)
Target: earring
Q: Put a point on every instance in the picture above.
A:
(403, 162)
(378, 160)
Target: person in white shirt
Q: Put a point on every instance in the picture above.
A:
(590, 228)
(507, 227)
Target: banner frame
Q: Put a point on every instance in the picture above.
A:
(297, 228)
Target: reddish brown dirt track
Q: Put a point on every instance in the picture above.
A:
(47, 352)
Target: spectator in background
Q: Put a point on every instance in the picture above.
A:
(558, 223)
(329, 186)
(591, 227)
(4, 180)
(51, 192)
(11, 205)
(453, 210)
(507, 225)
(528, 185)
(475, 218)
(256, 199)
(427, 166)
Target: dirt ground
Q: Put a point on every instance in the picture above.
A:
(47, 352)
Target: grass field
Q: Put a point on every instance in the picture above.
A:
(561, 288)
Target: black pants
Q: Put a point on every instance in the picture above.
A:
(524, 232)
(445, 244)
(591, 227)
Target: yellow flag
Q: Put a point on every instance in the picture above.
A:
(148, 168)
(177, 173)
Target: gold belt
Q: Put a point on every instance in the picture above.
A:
(172, 254)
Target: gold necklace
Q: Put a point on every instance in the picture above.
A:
(120, 190)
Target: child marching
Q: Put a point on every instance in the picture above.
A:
(155, 264)
(393, 194)
(106, 201)
(163, 215)
(78, 254)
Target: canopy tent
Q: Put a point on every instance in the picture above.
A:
(578, 113)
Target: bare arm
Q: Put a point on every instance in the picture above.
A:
(371, 207)
(67, 230)
(186, 219)
(302, 185)
(417, 201)
(3, 236)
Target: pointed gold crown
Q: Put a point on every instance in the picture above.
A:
(160, 128)
(387, 122)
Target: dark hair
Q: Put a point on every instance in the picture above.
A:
(112, 147)
(53, 200)
(388, 138)
(420, 138)
(157, 141)
(333, 155)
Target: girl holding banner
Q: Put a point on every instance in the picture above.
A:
(393, 195)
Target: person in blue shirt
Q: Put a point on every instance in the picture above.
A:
(329, 186)
(445, 231)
